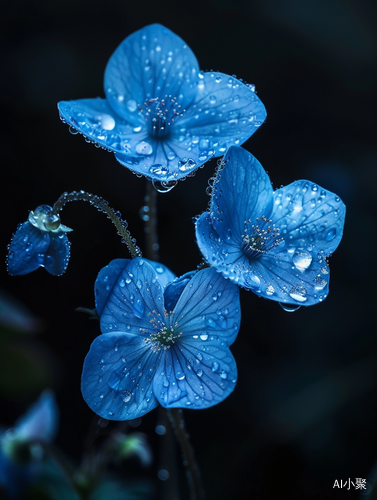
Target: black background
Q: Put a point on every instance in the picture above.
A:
(304, 411)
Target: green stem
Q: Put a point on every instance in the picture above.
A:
(192, 469)
(101, 205)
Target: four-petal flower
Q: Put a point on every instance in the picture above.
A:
(162, 341)
(39, 242)
(274, 243)
(162, 117)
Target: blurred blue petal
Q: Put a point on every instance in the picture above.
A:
(274, 244)
(40, 421)
(152, 333)
(162, 117)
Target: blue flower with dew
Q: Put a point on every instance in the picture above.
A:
(164, 340)
(39, 242)
(274, 243)
(20, 451)
(162, 117)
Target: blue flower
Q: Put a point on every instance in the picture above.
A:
(39, 242)
(162, 117)
(20, 453)
(274, 243)
(162, 341)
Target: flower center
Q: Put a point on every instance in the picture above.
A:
(260, 238)
(164, 337)
(160, 114)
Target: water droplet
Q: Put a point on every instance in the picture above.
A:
(199, 373)
(270, 290)
(215, 366)
(160, 170)
(137, 129)
(204, 336)
(289, 307)
(223, 374)
(163, 187)
(72, 130)
(144, 148)
(302, 259)
(319, 283)
(126, 395)
(181, 376)
(298, 293)
(186, 164)
(212, 99)
(131, 105)
(331, 234)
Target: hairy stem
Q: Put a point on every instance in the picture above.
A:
(101, 205)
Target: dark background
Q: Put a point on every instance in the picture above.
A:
(304, 411)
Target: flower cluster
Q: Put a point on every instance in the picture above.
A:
(165, 340)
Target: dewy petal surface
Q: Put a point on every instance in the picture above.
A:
(208, 306)
(152, 62)
(309, 215)
(117, 377)
(242, 191)
(195, 376)
(117, 273)
(32, 248)
(129, 299)
(225, 111)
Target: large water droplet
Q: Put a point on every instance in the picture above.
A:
(298, 293)
(144, 148)
(163, 187)
(186, 164)
(302, 259)
(107, 122)
(126, 395)
(289, 307)
(131, 105)
(319, 283)
(160, 170)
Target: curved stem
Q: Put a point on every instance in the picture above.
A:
(101, 205)
(192, 469)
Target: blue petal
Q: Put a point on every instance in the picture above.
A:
(169, 159)
(117, 377)
(152, 62)
(208, 306)
(193, 377)
(113, 274)
(308, 215)
(40, 421)
(225, 112)
(32, 248)
(130, 299)
(174, 290)
(224, 256)
(95, 119)
(242, 192)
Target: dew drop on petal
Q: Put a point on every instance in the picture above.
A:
(298, 293)
(270, 290)
(331, 234)
(289, 307)
(302, 259)
(131, 105)
(160, 170)
(186, 164)
(126, 395)
(107, 122)
(319, 283)
(144, 148)
(204, 336)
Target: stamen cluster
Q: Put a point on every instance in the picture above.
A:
(160, 113)
(264, 237)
